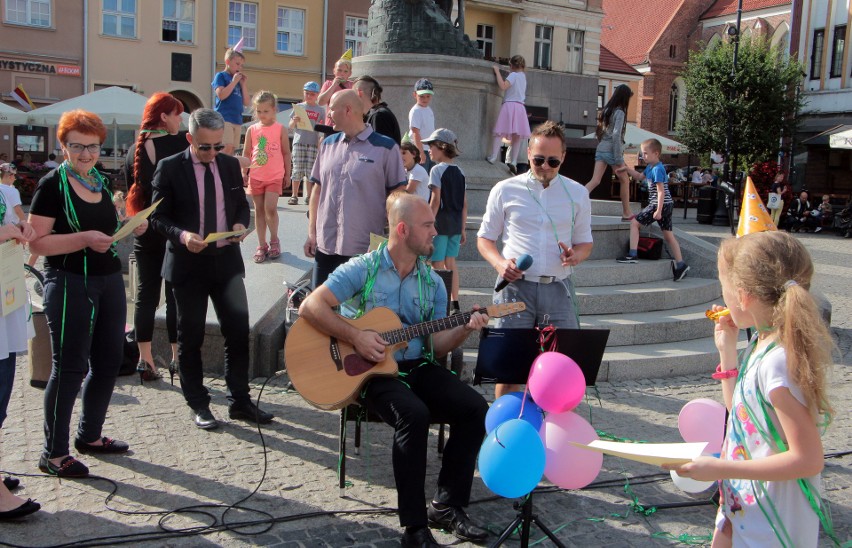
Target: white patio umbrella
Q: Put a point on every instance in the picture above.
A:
(634, 135)
(841, 140)
(116, 107)
(10, 116)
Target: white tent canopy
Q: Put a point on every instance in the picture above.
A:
(11, 116)
(115, 106)
(633, 137)
(841, 140)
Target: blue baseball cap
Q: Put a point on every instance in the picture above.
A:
(312, 86)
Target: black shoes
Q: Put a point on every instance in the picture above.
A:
(627, 259)
(679, 273)
(11, 483)
(421, 538)
(248, 411)
(68, 468)
(204, 419)
(456, 521)
(25, 509)
(109, 446)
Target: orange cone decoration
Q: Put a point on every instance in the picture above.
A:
(754, 217)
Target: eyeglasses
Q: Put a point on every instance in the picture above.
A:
(552, 161)
(206, 148)
(77, 148)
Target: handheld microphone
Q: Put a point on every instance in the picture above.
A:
(523, 263)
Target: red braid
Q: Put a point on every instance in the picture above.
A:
(140, 191)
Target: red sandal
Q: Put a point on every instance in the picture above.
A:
(274, 249)
(260, 254)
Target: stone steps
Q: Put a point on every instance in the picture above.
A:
(633, 298)
(644, 361)
(591, 273)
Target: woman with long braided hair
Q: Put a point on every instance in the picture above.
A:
(159, 138)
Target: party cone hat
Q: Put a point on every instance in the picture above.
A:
(754, 217)
(347, 55)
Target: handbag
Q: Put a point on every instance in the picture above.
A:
(650, 248)
(773, 200)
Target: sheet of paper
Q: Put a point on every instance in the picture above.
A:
(216, 236)
(131, 224)
(649, 453)
(13, 288)
(304, 121)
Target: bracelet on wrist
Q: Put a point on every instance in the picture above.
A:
(727, 374)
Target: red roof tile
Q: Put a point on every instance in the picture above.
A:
(611, 62)
(728, 7)
(630, 28)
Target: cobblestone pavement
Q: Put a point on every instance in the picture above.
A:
(292, 477)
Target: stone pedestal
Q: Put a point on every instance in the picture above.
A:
(467, 99)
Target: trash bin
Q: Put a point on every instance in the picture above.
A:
(706, 205)
(38, 351)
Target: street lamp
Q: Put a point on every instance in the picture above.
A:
(734, 33)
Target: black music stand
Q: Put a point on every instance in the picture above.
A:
(524, 518)
(500, 352)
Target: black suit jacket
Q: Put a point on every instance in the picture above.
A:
(174, 182)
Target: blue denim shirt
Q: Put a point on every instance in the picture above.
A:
(401, 296)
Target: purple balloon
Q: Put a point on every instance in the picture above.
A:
(557, 383)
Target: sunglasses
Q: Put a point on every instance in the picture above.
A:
(552, 161)
(206, 148)
(77, 148)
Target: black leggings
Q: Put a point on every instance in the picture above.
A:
(87, 347)
(149, 264)
(325, 265)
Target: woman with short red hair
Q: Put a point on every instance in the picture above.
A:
(159, 138)
(74, 220)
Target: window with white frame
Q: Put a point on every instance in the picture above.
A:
(543, 45)
(355, 37)
(290, 36)
(34, 13)
(242, 23)
(575, 51)
(601, 95)
(178, 21)
(119, 18)
(485, 40)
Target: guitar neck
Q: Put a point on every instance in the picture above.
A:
(425, 328)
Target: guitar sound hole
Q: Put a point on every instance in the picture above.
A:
(355, 365)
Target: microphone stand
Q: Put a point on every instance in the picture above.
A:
(525, 518)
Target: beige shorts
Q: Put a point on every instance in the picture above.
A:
(232, 134)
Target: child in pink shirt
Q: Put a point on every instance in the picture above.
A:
(268, 148)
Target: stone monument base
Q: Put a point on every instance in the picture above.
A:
(467, 99)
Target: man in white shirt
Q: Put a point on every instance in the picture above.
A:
(544, 215)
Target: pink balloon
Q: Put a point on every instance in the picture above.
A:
(565, 465)
(556, 382)
(700, 420)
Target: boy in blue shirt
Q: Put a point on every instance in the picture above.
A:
(449, 205)
(660, 206)
(232, 96)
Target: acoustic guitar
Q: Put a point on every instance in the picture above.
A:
(328, 372)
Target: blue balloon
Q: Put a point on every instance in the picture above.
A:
(511, 460)
(508, 407)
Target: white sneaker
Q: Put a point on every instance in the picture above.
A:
(490, 159)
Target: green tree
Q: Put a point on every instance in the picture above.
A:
(764, 105)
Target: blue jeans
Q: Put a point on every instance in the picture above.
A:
(7, 378)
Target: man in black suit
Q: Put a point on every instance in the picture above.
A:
(202, 193)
